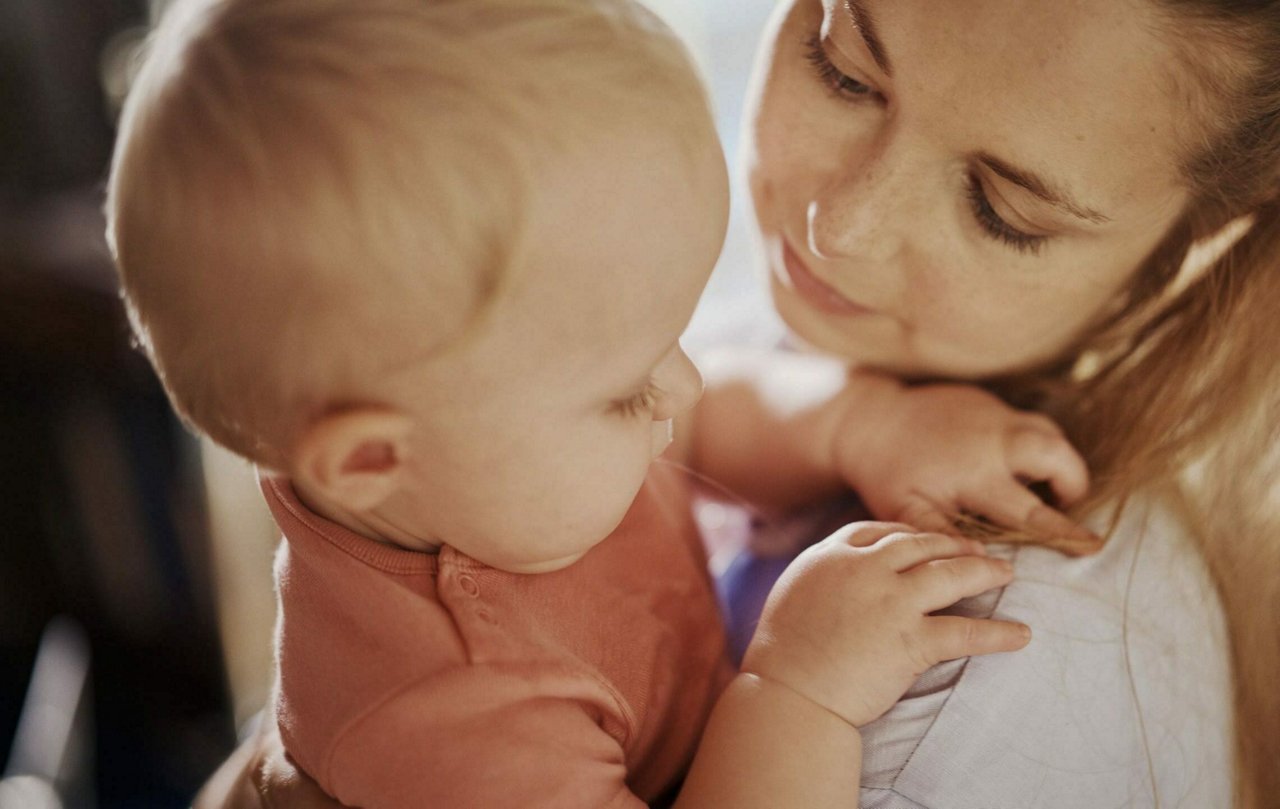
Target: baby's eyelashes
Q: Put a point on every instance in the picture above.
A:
(640, 403)
(680, 389)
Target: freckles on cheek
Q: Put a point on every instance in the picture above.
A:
(938, 302)
(763, 192)
(953, 319)
(767, 162)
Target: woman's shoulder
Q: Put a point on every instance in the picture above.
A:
(1123, 696)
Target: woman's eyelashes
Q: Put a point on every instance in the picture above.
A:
(850, 89)
(995, 226)
(640, 403)
(832, 77)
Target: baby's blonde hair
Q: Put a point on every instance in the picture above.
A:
(309, 194)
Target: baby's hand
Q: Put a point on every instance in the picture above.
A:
(848, 624)
(927, 454)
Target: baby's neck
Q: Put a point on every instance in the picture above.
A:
(368, 525)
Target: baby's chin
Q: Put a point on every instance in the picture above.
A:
(534, 566)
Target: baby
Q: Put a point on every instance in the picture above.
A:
(427, 263)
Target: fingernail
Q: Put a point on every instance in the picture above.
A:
(1087, 542)
(1025, 632)
(1046, 520)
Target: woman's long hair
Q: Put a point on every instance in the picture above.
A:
(1178, 387)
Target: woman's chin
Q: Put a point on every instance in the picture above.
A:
(821, 332)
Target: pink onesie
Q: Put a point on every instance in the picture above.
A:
(416, 680)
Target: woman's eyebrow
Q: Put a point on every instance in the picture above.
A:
(1043, 189)
(866, 26)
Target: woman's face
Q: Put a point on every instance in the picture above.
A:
(959, 188)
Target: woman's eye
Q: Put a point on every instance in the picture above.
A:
(991, 223)
(831, 76)
(639, 404)
(995, 226)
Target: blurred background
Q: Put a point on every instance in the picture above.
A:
(135, 569)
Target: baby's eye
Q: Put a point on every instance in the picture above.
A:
(638, 404)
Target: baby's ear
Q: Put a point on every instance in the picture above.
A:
(353, 458)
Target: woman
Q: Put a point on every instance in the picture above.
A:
(1009, 193)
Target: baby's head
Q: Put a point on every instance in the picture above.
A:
(430, 258)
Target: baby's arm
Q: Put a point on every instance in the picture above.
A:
(783, 430)
(844, 634)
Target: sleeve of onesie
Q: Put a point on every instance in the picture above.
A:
(485, 736)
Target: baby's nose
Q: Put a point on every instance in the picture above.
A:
(681, 387)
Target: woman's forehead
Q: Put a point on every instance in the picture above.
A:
(1081, 93)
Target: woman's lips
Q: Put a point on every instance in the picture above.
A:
(815, 291)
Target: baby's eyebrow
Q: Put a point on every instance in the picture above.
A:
(1043, 189)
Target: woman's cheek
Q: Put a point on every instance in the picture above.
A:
(959, 330)
(779, 179)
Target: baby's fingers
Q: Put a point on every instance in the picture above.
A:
(866, 533)
(904, 551)
(943, 582)
(948, 637)
(1015, 506)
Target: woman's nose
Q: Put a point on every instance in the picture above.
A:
(680, 386)
(862, 210)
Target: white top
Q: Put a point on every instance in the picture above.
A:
(1122, 698)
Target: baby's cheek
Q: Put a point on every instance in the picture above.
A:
(660, 437)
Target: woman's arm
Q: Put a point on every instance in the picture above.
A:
(783, 430)
(766, 427)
